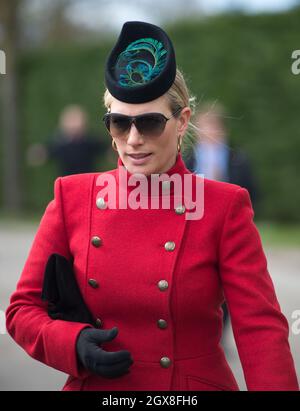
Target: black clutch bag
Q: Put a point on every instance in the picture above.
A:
(61, 290)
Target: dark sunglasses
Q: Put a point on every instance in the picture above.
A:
(149, 124)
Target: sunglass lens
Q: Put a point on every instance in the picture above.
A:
(150, 124)
(118, 125)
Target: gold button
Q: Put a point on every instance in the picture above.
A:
(180, 209)
(93, 283)
(101, 203)
(165, 362)
(96, 241)
(163, 285)
(170, 246)
(99, 323)
(162, 323)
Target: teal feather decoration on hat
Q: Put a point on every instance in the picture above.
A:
(140, 62)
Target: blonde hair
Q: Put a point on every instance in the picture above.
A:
(177, 96)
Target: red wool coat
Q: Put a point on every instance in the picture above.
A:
(166, 301)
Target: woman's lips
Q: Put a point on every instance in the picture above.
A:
(138, 159)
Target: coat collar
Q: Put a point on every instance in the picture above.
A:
(128, 181)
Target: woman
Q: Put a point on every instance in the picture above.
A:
(153, 278)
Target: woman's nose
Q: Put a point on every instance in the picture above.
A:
(134, 136)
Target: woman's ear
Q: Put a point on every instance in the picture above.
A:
(183, 120)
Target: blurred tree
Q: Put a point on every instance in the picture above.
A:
(61, 27)
(9, 106)
(57, 21)
(52, 22)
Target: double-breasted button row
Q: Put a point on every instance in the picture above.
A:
(163, 285)
(97, 242)
(180, 209)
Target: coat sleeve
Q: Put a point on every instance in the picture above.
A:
(259, 327)
(52, 342)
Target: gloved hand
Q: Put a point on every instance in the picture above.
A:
(61, 290)
(95, 359)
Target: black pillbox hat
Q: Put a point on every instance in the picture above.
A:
(142, 65)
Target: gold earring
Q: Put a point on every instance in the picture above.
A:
(179, 142)
(114, 145)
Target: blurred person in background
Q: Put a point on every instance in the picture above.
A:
(213, 157)
(72, 146)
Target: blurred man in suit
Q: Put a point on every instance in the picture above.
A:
(71, 146)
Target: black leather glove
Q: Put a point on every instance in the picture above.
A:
(61, 290)
(95, 359)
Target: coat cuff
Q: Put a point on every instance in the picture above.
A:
(60, 339)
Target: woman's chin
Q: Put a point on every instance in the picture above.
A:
(139, 169)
